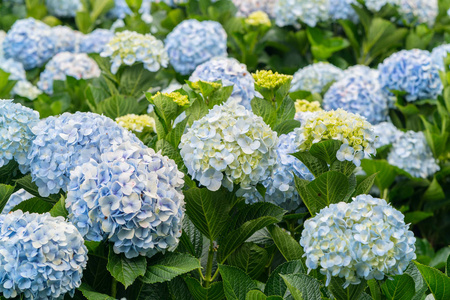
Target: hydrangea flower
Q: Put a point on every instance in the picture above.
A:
(290, 12)
(14, 68)
(247, 7)
(2, 38)
(359, 91)
(70, 140)
(377, 5)
(230, 72)
(95, 41)
(63, 64)
(16, 122)
(230, 145)
(364, 239)
(411, 153)
(136, 123)
(41, 257)
(63, 8)
(30, 42)
(129, 47)
(192, 43)
(24, 88)
(419, 11)
(280, 186)
(313, 78)
(269, 80)
(132, 197)
(174, 3)
(386, 134)
(398, 70)
(305, 106)
(439, 54)
(120, 10)
(258, 18)
(67, 39)
(343, 10)
(352, 130)
(15, 199)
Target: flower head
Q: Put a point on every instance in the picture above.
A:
(14, 68)
(439, 54)
(131, 197)
(24, 88)
(178, 98)
(419, 11)
(386, 134)
(15, 199)
(270, 80)
(290, 12)
(120, 10)
(315, 77)
(63, 8)
(95, 41)
(66, 39)
(307, 106)
(343, 10)
(230, 145)
(41, 257)
(247, 7)
(364, 239)
(258, 18)
(136, 123)
(192, 43)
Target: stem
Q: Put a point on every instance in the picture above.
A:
(385, 195)
(209, 265)
(114, 288)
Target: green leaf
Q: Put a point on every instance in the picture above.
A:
(170, 266)
(135, 80)
(286, 111)
(440, 259)
(251, 258)
(236, 283)
(125, 270)
(315, 166)
(256, 295)
(365, 186)
(5, 192)
(286, 126)
(275, 284)
(208, 211)
(264, 109)
(417, 216)
(385, 172)
(26, 184)
(433, 195)
(401, 288)
(326, 150)
(191, 238)
(352, 292)
(345, 167)
(174, 136)
(59, 209)
(302, 286)
(117, 106)
(286, 244)
(168, 150)
(214, 292)
(34, 205)
(374, 288)
(437, 282)
(8, 171)
(179, 289)
(91, 294)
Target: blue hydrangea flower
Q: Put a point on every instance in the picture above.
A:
(16, 135)
(95, 41)
(63, 64)
(377, 5)
(132, 197)
(364, 239)
(419, 11)
(290, 12)
(439, 54)
(192, 43)
(15, 199)
(343, 10)
(41, 257)
(280, 186)
(413, 72)
(246, 7)
(70, 140)
(26, 89)
(63, 8)
(411, 153)
(14, 68)
(2, 38)
(386, 134)
(313, 78)
(30, 42)
(67, 39)
(120, 10)
(230, 145)
(230, 72)
(359, 92)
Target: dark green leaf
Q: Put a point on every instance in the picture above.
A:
(59, 209)
(170, 266)
(437, 282)
(401, 288)
(264, 109)
(91, 294)
(34, 205)
(214, 292)
(286, 126)
(236, 283)
(302, 286)
(326, 150)
(5, 192)
(275, 284)
(352, 292)
(125, 270)
(315, 166)
(286, 244)
(365, 186)
(251, 258)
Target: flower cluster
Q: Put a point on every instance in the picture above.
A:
(247, 7)
(314, 78)
(120, 10)
(258, 18)
(63, 8)
(411, 153)
(419, 11)
(41, 257)
(307, 106)
(63, 64)
(16, 135)
(230, 72)
(129, 47)
(136, 123)
(360, 92)
(66, 39)
(363, 239)
(269, 80)
(413, 72)
(24, 88)
(192, 43)
(95, 41)
(15, 199)
(14, 68)
(343, 10)
(132, 197)
(30, 42)
(67, 141)
(377, 5)
(352, 130)
(290, 12)
(2, 38)
(230, 145)
(386, 134)
(439, 54)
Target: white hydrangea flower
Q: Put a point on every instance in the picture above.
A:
(26, 89)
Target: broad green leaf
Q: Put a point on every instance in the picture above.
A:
(135, 80)
(264, 109)
(286, 126)
(8, 171)
(385, 172)
(433, 195)
(5, 192)
(414, 272)
(345, 167)
(34, 205)
(256, 295)
(174, 136)
(365, 186)
(191, 238)
(286, 244)
(315, 166)
(251, 258)
(352, 292)
(440, 259)
(117, 106)
(26, 184)
(196, 111)
(375, 290)
(302, 286)
(125, 270)
(91, 294)
(275, 284)
(326, 150)
(236, 283)
(437, 282)
(168, 150)
(198, 292)
(59, 209)
(286, 111)
(143, 291)
(417, 216)
(179, 289)
(401, 288)
(169, 266)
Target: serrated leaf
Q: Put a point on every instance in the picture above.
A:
(135, 80)
(365, 186)
(417, 216)
(91, 294)
(374, 288)
(191, 238)
(326, 150)
(168, 150)
(125, 270)
(345, 167)
(286, 244)
(286, 126)
(26, 183)
(117, 106)
(255, 295)
(179, 289)
(385, 172)
(265, 110)
(400, 288)
(302, 286)
(174, 136)
(198, 292)
(34, 205)
(315, 166)
(352, 292)
(275, 284)
(170, 266)
(251, 258)
(236, 283)
(437, 282)
(59, 209)
(5, 192)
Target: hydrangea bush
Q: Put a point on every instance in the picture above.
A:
(315, 77)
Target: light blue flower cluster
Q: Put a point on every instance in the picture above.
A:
(413, 72)
(26, 89)
(246, 7)
(313, 78)
(14, 68)
(411, 153)
(290, 12)
(41, 257)
(120, 10)
(364, 239)
(15, 199)
(419, 11)
(70, 140)
(63, 64)
(2, 38)
(63, 8)
(230, 72)
(192, 43)
(230, 145)
(377, 5)
(132, 197)
(67, 39)
(343, 10)
(386, 134)
(16, 135)
(30, 42)
(439, 54)
(359, 92)
(95, 41)
(129, 47)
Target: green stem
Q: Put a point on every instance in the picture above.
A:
(114, 288)
(385, 195)
(209, 265)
